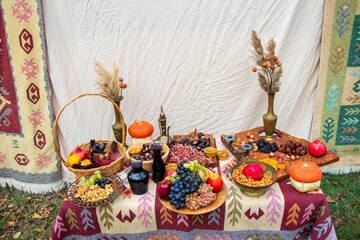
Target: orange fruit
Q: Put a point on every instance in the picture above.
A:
(85, 162)
(73, 159)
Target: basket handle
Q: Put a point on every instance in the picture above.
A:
(72, 100)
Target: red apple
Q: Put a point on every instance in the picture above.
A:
(81, 153)
(254, 171)
(163, 189)
(169, 173)
(215, 181)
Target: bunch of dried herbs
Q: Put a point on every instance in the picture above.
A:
(269, 67)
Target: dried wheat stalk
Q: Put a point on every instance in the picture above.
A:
(270, 69)
(109, 82)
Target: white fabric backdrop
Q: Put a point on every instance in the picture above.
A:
(192, 57)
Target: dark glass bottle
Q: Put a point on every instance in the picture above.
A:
(158, 167)
(138, 178)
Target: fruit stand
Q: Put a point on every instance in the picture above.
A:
(281, 213)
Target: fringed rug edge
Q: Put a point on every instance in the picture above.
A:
(31, 187)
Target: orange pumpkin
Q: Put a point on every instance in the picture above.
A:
(306, 172)
(141, 129)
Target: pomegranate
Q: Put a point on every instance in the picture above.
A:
(81, 153)
(169, 173)
(317, 148)
(254, 171)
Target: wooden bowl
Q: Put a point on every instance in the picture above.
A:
(147, 165)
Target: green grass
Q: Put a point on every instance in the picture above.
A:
(32, 216)
(343, 194)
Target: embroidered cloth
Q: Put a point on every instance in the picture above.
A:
(337, 114)
(282, 213)
(28, 159)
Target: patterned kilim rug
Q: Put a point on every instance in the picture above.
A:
(337, 113)
(28, 160)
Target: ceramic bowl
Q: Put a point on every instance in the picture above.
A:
(255, 191)
(147, 165)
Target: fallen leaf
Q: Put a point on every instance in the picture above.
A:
(335, 183)
(337, 221)
(330, 200)
(11, 223)
(339, 196)
(36, 215)
(16, 235)
(10, 205)
(39, 230)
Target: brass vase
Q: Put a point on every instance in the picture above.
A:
(270, 119)
(117, 126)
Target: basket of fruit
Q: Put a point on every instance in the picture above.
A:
(96, 155)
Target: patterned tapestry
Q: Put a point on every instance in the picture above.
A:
(28, 160)
(281, 213)
(337, 114)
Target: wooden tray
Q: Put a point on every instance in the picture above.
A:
(282, 138)
(220, 199)
(212, 144)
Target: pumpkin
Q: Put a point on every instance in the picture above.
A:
(141, 129)
(305, 176)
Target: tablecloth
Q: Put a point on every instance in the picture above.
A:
(281, 213)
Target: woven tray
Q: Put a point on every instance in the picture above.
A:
(115, 165)
(117, 186)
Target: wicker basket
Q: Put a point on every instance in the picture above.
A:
(115, 165)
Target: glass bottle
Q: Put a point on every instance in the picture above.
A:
(138, 178)
(158, 167)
